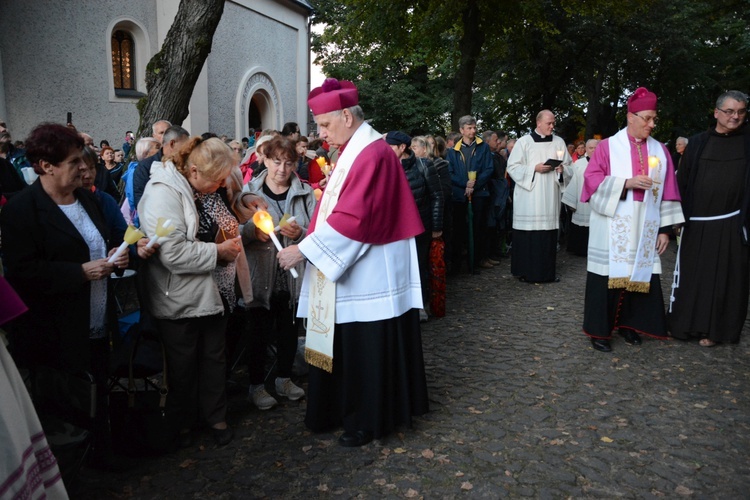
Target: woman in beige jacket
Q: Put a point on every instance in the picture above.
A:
(191, 280)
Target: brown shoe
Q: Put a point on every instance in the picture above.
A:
(493, 262)
(485, 264)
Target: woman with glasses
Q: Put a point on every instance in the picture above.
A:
(275, 291)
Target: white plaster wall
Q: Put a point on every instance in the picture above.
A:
(55, 60)
(257, 34)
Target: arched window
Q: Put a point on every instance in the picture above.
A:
(123, 60)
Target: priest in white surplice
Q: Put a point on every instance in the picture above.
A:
(361, 292)
(536, 200)
(578, 237)
(632, 191)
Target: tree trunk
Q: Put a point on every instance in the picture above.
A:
(470, 47)
(172, 72)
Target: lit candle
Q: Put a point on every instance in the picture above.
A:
(560, 153)
(132, 234)
(653, 164)
(472, 175)
(264, 222)
(163, 228)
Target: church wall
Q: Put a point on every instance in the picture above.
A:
(55, 60)
(248, 38)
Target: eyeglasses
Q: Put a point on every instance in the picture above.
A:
(653, 119)
(732, 112)
(285, 164)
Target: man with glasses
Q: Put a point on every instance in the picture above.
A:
(632, 191)
(710, 293)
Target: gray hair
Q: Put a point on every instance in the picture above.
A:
(356, 112)
(466, 120)
(422, 141)
(731, 94)
(683, 139)
(143, 145)
(487, 135)
(153, 129)
(174, 133)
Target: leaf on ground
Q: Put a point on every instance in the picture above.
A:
(557, 442)
(386, 451)
(508, 473)
(428, 453)
(607, 440)
(550, 308)
(412, 493)
(466, 486)
(682, 490)
(485, 398)
(459, 474)
(188, 463)
(379, 482)
(475, 411)
(306, 448)
(323, 487)
(399, 450)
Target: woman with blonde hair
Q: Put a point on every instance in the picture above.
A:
(190, 283)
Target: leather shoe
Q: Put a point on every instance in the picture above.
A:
(185, 440)
(223, 436)
(355, 438)
(630, 336)
(601, 345)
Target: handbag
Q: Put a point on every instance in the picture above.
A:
(138, 415)
(437, 277)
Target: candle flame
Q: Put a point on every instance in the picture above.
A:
(263, 221)
(472, 175)
(653, 161)
(320, 160)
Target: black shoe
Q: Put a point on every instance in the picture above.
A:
(110, 462)
(355, 438)
(185, 439)
(602, 345)
(630, 336)
(222, 437)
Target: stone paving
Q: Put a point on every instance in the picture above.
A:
(521, 406)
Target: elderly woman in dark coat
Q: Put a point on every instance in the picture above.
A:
(55, 245)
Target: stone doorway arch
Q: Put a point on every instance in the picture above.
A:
(258, 103)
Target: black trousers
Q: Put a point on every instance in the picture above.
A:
(266, 326)
(480, 206)
(196, 368)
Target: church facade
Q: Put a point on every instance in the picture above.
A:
(88, 58)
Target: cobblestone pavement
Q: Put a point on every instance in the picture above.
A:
(521, 406)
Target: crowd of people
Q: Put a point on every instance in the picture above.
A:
(331, 237)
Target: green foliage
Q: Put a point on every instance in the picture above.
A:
(579, 58)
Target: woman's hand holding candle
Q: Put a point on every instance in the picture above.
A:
(264, 222)
(132, 234)
(163, 228)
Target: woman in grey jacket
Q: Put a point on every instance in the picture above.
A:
(275, 291)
